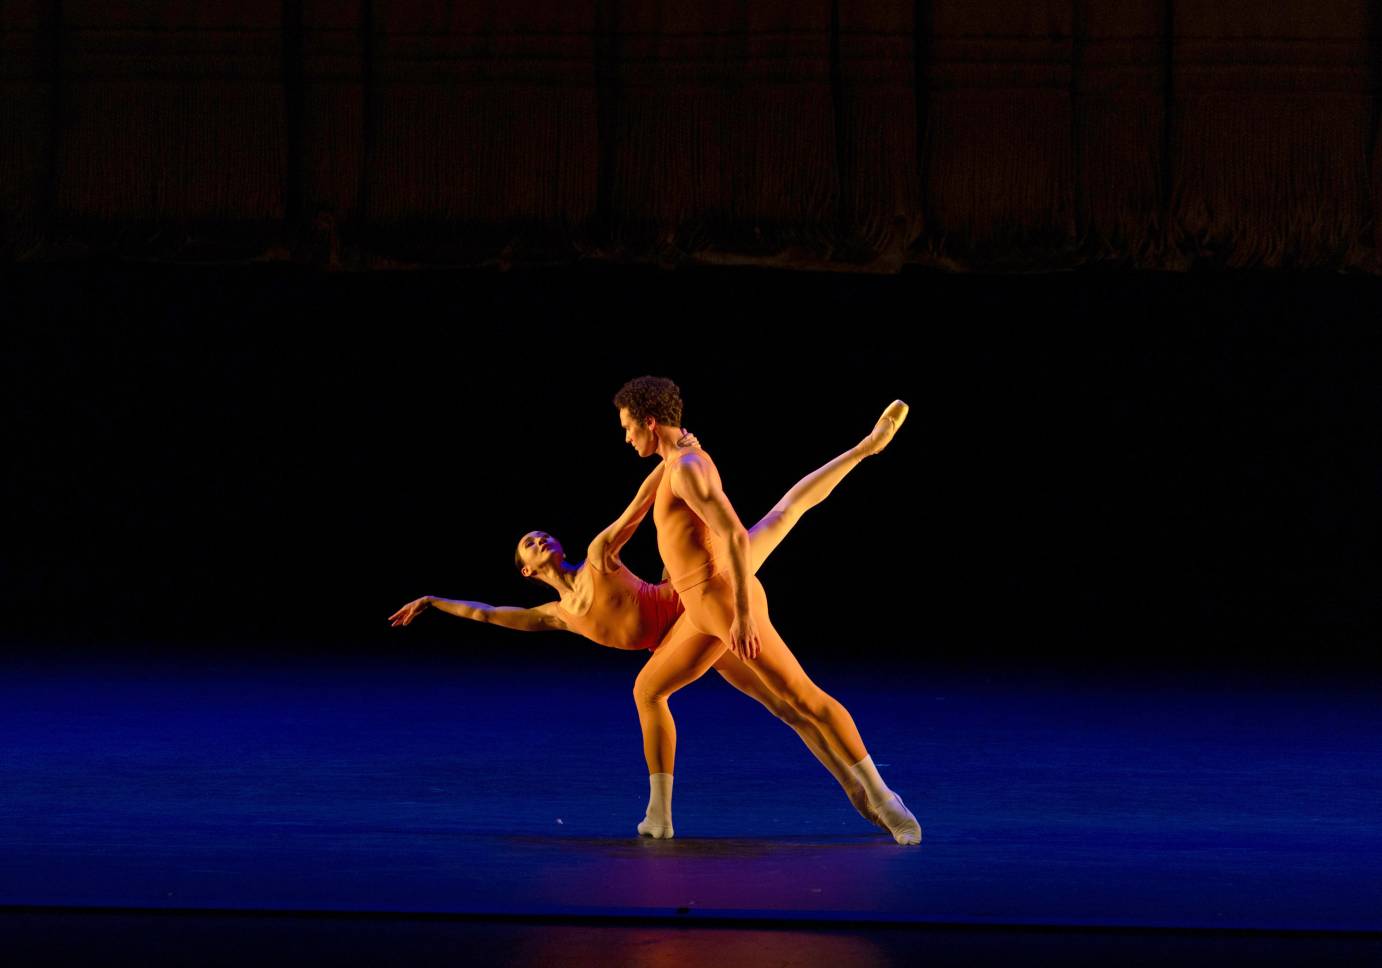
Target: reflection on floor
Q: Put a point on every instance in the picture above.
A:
(436, 786)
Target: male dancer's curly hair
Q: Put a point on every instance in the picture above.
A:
(651, 396)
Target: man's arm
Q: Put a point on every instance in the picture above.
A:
(694, 484)
(544, 618)
(604, 550)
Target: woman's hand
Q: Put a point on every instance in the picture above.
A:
(687, 439)
(410, 611)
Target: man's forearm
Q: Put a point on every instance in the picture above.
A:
(739, 570)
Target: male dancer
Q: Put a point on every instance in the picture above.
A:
(705, 549)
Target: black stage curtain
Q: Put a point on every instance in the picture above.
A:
(973, 134)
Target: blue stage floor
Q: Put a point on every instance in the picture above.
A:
(427, 785)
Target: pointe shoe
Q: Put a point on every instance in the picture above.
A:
(901, 824)
(871, 815)
(860, 801)
(888, 424)
(656, 831)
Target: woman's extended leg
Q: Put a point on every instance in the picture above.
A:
(816, 487)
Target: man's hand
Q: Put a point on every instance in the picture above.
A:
(743, 637)
(410, 611)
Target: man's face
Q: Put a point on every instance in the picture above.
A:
(638, 435)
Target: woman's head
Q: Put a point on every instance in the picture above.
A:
(537, 550)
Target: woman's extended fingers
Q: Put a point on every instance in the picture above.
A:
(406, 614)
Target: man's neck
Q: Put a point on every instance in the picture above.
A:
(667, 438)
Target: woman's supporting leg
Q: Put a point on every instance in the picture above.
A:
(778, 669)
(738, 675)
(780, 672)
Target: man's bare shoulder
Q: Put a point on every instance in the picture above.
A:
(694, 474)
(693, 461)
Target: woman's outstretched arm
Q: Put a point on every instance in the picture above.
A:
(544, 618)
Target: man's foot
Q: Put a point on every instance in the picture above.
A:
(899, 820)
(657, 831)
(887, 425)
(657, 818)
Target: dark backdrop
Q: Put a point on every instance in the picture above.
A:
(978, 133)
(1152, 469)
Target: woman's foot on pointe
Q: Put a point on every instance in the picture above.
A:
(887, 425)
(899, 820)
(860, 799)
(655, 830)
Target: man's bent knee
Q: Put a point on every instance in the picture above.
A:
(645, 694)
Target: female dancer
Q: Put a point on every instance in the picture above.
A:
(603, 601)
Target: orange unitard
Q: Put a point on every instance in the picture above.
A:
(698, 563)
(625, 611)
